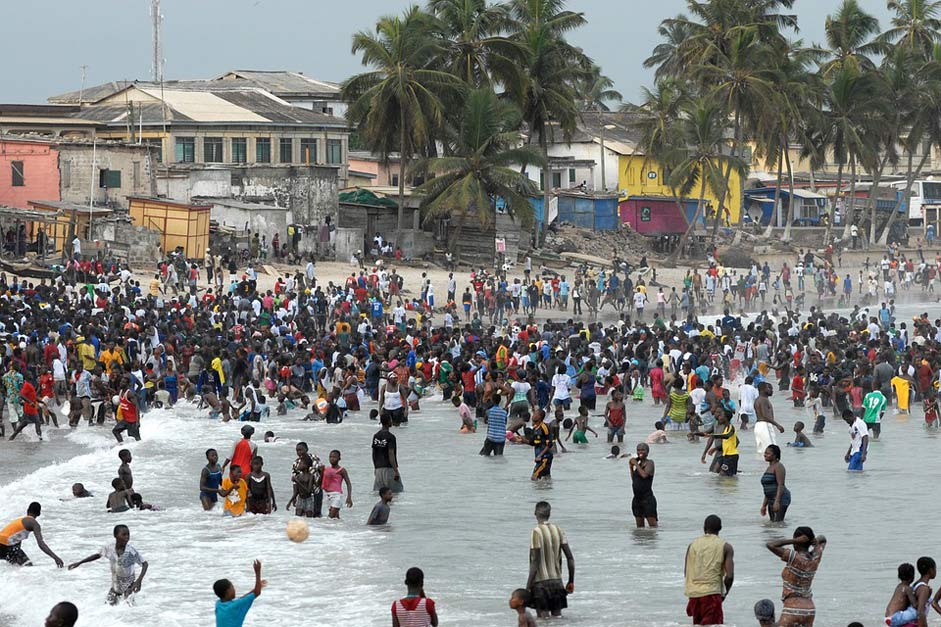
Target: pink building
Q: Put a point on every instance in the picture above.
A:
(29, 170)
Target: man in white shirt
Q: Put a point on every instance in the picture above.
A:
(859, 441)
(747, 395)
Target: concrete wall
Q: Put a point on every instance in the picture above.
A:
(258, 220)
(40, 172)
(310, 192)
(137, 244)
(197, 183)
(348, 241)
(80, 166)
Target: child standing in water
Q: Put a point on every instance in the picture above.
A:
(465, 413)
(815, 410)
(124, 558)
(580, 426)
(209, 480)
(303, 489)
(614, 417)
(334, 476)
(260, 492)
(518, 602)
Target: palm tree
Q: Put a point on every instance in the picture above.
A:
(473, 45)
(484, 150)
(704, 130)
(657, 120)
(916, 26)
(666, 56)
(741, 75)
(918, 103)
(847, 103)
(849, 36)
(546, 95)
(397, 104)
(597, 90)
(783, 118)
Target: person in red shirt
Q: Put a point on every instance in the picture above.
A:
(30, 410)
(244, 450)
(129, 417)
(46, 394)
(415, 610)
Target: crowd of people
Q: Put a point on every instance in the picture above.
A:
(97, 347)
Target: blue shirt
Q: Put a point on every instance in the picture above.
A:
(232, 613)
(496, 424)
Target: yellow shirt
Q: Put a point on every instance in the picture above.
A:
(154, 287)
(730, 444)
(108, 357)
(216, 365)
(704, 566)
(901, 387)
(235, 501)
(87, 354)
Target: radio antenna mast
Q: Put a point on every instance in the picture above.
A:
(157, 19)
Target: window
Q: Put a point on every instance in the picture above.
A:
(263, 150)
(156, 145)
(186, 149)
(394, 181)
(571, 175)
(557, 179)
(239, 150)
(334, 151)
(17, 172)
(110, 179)
(136, 173)
(212, 149)
(66, 173)
(308, 150)
(286, 150)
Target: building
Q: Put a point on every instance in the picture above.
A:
(101, 173)
(45, 121)
(293, 87)
(640, 176)
(590, 157)
(181, 226)
(217, 121)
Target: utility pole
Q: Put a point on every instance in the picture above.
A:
(157, 19)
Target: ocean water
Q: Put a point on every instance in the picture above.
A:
(465, 520)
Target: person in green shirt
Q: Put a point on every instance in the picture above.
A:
(873, 407)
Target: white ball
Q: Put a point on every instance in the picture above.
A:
(115, 400)
(298, 530)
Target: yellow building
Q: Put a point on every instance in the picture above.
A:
(638, 176)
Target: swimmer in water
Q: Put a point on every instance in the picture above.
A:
(124, 558)
(800, 439)
(232, 611)
(63, 614)
(209, 480)
(79, 491)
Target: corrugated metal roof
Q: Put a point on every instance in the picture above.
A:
(202, 106)
(281, 83)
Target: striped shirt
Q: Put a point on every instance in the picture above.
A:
(548, 538)
(496, 424)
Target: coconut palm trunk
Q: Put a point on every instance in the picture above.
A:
(724, 192)
(680, 247)
(849, 215)
(909, 183)
(777, 200)
(790, 201)
(873, 200)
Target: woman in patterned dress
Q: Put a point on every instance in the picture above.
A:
(801, 562)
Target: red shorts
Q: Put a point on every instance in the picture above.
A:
(706, 610)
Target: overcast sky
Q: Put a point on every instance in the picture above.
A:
(47, 41)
